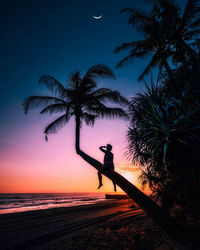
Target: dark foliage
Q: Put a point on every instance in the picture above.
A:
(164, 132)
(170, 35)
(81, 99)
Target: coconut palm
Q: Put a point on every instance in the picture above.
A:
(168, 34)
(81, 99)
(87, 103)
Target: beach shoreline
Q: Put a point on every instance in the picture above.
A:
(104, 225)
(14, 203)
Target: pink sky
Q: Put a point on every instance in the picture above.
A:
(30, 164)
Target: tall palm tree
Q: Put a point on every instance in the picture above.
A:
(168, 34)
(86, 103)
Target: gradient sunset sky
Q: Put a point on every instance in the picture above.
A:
(55, 38)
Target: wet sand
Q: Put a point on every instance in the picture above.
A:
(111, 224)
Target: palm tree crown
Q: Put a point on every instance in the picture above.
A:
(81, 99)
(168, 34)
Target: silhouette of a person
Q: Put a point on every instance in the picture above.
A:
(107, 164)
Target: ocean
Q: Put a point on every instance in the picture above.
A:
(13, 203)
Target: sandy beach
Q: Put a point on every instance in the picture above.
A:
(110, 224)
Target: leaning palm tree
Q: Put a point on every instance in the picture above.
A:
(169, 36)
(86, 103)
(81, 100)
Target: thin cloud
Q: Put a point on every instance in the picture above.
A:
(129, 167)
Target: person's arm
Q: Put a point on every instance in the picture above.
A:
(102, 148)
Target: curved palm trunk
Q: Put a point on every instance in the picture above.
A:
(174, 231)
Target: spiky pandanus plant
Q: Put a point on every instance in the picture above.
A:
(170, 35)
(163, 134)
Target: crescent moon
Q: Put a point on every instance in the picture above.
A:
(97, 17)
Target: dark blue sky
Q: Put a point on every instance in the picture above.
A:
(55, 38)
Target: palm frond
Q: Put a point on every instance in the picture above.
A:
(90, 101)
(192, 9)
(191, 34)
(135, 53)
(195, 24)
(99, 70)
(88, 84)
(109, 112)
(75, 79)
(89, 118)
(54, 86)
(136, 17)
(126, 60)
(40, 102)
(53, 127)
(105, 94)
(125, 46)
(143, 179)
(55, 108)
(152, 64)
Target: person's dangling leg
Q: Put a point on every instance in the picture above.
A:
(100, 179)
(115, 187)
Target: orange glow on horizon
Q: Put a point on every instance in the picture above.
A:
(30, 165)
